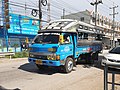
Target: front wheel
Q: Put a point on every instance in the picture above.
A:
(68, 65)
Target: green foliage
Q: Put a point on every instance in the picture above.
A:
(15, 45)
(20, 54)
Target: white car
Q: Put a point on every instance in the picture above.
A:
(112, 58)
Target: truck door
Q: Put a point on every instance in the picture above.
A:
(74, 38)
(67, 46)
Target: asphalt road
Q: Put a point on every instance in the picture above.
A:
(25, 76)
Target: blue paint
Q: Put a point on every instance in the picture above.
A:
(20, 28)
(63, 50)
(45, 62)
(23, 25)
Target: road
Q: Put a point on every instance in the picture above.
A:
(25, 76)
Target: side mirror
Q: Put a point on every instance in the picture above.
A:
(61, 39)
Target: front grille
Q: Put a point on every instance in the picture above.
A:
(40, 57)
(40, 49)
(112, 60)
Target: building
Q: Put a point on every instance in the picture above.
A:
(22, 30)
(104, 25)
(16, 30)
(84, 16)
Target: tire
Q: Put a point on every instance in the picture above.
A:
(68, 65)
(88, 58)
(96, 56)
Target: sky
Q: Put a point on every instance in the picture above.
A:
(70, 6)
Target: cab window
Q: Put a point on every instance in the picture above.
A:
(67, 39)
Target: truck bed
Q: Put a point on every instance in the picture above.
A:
(88, 43)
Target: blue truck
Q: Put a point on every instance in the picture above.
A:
(62, 43)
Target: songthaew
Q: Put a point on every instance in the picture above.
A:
(60, 44)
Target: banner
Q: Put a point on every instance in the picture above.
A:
(23, 25)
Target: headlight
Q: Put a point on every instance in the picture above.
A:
(49, 57)
(53, 57)
(31, 55)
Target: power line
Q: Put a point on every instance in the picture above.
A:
(22, 4)
(66, 9)
(59, 5)
(33, 3)
(113, 2)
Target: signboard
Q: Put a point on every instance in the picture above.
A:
(23, 25)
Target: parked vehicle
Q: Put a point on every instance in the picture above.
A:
(62, 43)
(112, 58)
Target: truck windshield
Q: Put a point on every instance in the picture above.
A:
(47, 38)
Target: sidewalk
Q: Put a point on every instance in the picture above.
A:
(13, 59)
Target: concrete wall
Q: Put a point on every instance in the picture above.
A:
(77, 16)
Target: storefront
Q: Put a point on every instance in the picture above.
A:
(22, 28)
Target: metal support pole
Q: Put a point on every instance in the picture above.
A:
(40, 14)
(63, 13)
(96, 3)
(113, 41)
(7, 41)
(4, 25)
(96, 13)
(49, 19)
(113, 28)
(113, 81)
(106, 77)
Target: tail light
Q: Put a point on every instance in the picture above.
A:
(89, 49)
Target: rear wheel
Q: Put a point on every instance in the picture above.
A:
(96, 56)
(68, 65)
(88, 58)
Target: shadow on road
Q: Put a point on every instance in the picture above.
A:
(2, 88)
(29, 67)
(96, 64)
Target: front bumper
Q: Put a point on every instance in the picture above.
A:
(45, 62)
(110, 64)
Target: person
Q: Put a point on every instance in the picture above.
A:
(22, 45)
(66, 39)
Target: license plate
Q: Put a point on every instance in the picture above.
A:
(38, 62)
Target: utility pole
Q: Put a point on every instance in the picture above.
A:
(49, 19)
(44, 3)
(35, 11)
(6, 21)
(40, 14)
(113, 26)
(96, 3)
(25, 7)
(63, 13)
